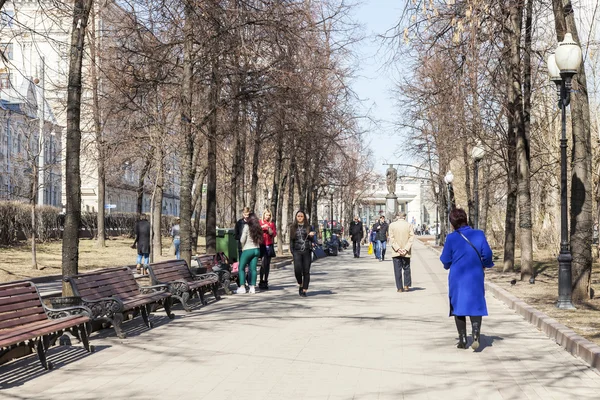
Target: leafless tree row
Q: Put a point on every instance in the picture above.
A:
(480, 76)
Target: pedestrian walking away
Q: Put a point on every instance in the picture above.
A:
(251, 239)
(267, 251)
(302, 236)
(466, 254)
(401, 240)
(381, 229)
(176, 237)
(373, 242)
(356, 234)
(142, 243)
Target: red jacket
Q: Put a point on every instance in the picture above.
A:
(268, 239)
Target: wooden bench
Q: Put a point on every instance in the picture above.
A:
(113, 292)
(26, 323)
(182, 283)
(208, 261)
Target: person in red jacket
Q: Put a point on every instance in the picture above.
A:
(267, 250)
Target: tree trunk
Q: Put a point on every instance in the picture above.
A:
(236, 180)
(140, 186)
(256, 160)
(198, 208)
(511, 42)
(581, 178)
(70, 243)
(524, 151)
(290, 193)
(157, 200)
(187, 152)
(34, 264)
(280, 227)
(277, 175)
(211, 183)
(470, 202)
(485, 204)
(94, 50)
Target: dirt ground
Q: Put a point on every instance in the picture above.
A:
(15, 262)
(543, 295)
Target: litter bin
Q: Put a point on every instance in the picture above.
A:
(227, 244)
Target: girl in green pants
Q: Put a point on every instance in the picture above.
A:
(252, 236)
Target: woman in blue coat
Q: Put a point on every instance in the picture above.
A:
(466, 254)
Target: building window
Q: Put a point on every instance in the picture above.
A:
(7, 50)
(5, 80)
(6, 18)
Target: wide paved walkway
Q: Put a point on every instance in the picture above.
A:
(354, 337)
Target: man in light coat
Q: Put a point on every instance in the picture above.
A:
(401, 239)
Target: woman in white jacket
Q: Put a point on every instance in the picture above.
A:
(251, 239)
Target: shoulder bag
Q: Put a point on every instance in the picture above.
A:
(474, 248)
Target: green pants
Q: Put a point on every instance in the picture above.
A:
(249, 258)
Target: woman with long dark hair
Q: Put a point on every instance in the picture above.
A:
(252, 236)
(466, 254)
(301, 239)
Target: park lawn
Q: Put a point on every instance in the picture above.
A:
(543, 295)
(15, 261)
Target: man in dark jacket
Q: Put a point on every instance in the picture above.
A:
(239, 227)
(142, 243)
(381, 227)
(356, 234)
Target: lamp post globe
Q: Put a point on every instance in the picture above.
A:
(568, 55)
(449, 177)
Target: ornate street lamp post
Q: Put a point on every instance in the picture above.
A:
(477, 154)
(451, 203)
(562, 66)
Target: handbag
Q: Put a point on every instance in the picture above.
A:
(370, 251)
(474, 248)
(318, 252)
(271, 251)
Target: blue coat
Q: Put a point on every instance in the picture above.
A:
(465, 280)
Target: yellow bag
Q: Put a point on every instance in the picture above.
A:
(370, 251)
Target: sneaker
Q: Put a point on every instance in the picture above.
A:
(252, 290)
(241, 290)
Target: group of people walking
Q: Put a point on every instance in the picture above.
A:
(466, 254)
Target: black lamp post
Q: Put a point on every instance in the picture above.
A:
(562, 66)
(331, 192)
(477, 154)
(451, 203)
(437, 227)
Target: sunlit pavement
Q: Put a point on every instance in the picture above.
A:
(353, 337)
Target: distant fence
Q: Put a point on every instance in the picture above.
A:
(15, 223)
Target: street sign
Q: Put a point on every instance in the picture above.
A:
(109, 206)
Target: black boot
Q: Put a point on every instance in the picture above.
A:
(461, 327)
(462, 340)
(476, 326)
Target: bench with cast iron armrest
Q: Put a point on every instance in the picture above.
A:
(27, 324)
(182, 283)
(113, 292)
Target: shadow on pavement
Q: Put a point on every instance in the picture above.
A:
(21, 371)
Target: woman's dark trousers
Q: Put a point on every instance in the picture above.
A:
(265, 268)
(402, 264)
(302, 260)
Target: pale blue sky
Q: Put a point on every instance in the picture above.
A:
(374, 82)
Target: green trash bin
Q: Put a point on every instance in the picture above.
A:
(227, 244)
